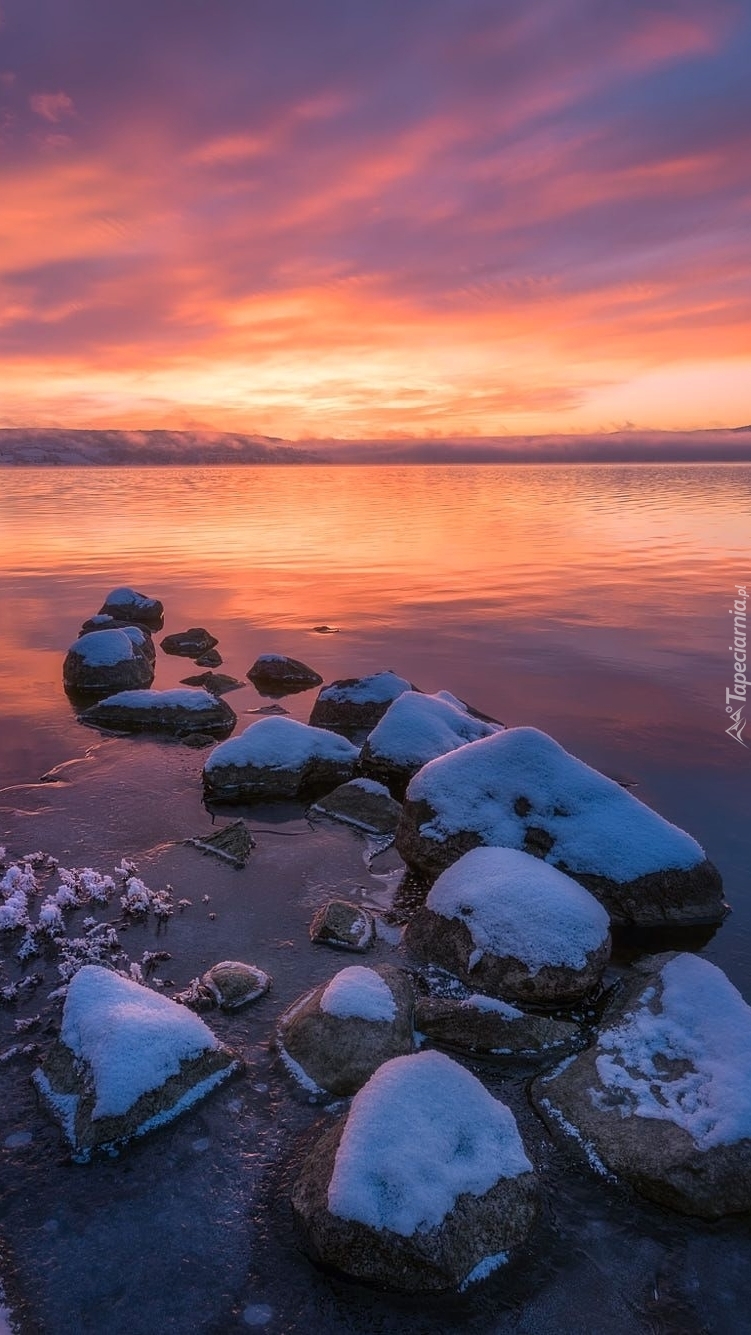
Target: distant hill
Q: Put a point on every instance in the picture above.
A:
(51, 446)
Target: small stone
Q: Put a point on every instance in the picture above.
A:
(217, 683)
(233, 843)
(211, 659)
(325, 630)
(344, 926)
(125, 604)
(234, 984)
(275, 673)
(363, 803)
(189, 643)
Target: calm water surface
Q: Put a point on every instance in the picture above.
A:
(589, 601)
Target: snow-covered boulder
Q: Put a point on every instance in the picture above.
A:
(107, 660)
(343, 926)
(190, 643)
(363, 803)
(127, 605)
(139, 636)
(417, 728)
(277, 757)
(513, 926)
(177, 712)
(520, 789)
(355, 703)
(480, 1023)
(335, 1037)
(663, 1098)
(275, 674)
(128, 1060)
(423, 1187)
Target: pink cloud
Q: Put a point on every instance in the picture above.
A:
(52, 107)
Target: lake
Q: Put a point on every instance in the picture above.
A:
(589, 601)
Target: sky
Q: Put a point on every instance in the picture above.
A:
(375, 218)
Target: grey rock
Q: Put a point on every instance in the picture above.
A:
(353, 703)
(591, 1101)
(118, 664)
(127, 604)
(477, 1024)
(363, 803)
(189, 643)
(217, 683)
(161, 712)
(275, 672)
(344, 926)
(233, 843)
(229, 985)
(309, 766)
(338, 1054)
(211, 659)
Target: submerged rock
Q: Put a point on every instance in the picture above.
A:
(275, 674)
(424, 1186)
(178, 712)
(215, 682)
(417, 728)
(229, 985)
(126, 604)
(334, 1038)
(513, 926)
(363, 803)
(663, 1097)
(520, 789)
(106, 660)
(354, 703)
(233, 843)
(344, 926)
(277, 757)
(484, 1024)
(189, 643)
(128, 1060)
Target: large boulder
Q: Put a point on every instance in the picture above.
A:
(513, 926)
(335, 1037)
(417, 728)
(363, 803)
(176, 712)
(663, 1098)
(275, 674)
(127, 1061)
(352, 704)
(424, 1186)
(126, 604)
(278, 757)
(520, 789)
(106, 660)
(480, 1023)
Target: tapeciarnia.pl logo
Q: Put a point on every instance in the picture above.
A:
(737, 695)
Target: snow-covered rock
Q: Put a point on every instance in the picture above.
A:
(335, 1037)
(190, 643)
(520, 789)
(126, 604)
(277, 757)
(513, 926)
(177, 712)
(480, 1023)
(354, 703)
(275, 674)
(417, 728)
(140, 636)
(423, 1182)
(663, 1098)
(107, 660)
(128, 1060)
(363, 803)
(344, 926)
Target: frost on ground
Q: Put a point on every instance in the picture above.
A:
(515, 904)
(361, 993)
(421, 1132)
(701, 1023)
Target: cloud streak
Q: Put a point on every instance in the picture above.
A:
(449, 214)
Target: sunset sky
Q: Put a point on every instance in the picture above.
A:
(316, 218)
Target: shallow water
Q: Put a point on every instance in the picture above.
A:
(590, 601)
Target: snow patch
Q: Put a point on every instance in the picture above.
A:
(359, 993)
(280, 743)
(515, 905)
(187, 698)
(376, 689)
(418, 728)
(104, 648)
(419, 1134)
